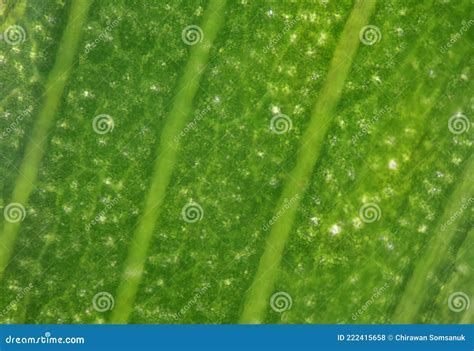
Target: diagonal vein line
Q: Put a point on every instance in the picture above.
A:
(414, 293)
(54, 90)
(164, 165)
(257, 298)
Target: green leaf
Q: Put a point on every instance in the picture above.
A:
(236, 162)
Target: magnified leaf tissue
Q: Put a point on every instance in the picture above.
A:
(236, 161)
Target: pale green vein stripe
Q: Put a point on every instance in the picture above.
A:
(258, 295)
(415, 291)
(34, 152)
(164, 165)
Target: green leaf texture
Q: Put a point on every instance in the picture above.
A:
(236, 161)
